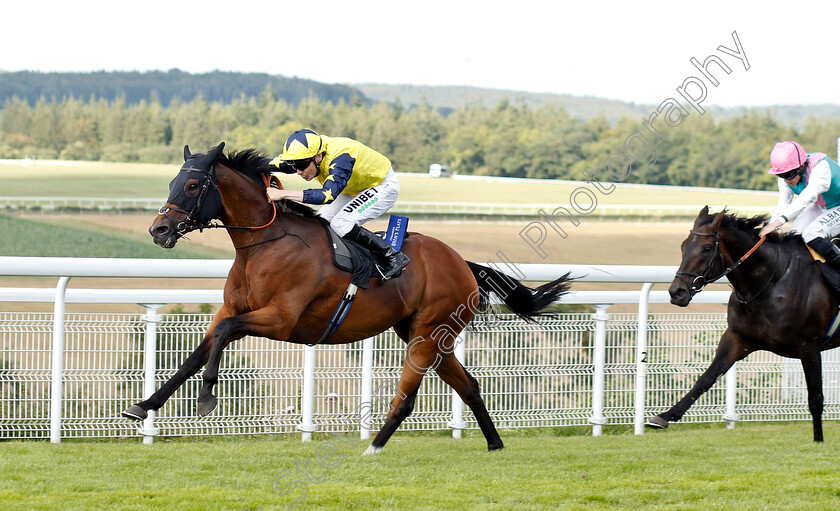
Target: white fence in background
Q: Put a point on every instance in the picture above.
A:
(460, 209)
(70, 375)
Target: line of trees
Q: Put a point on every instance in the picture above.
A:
(509, 139)
(166, 86)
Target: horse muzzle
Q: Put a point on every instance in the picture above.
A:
(163, 232)
(680, 294)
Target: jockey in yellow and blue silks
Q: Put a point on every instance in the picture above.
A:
(358, 185)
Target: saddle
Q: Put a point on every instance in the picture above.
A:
(351, 257)
(832, 278)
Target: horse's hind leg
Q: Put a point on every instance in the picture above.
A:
(414, 368)
(401, 407)
(812, 365)
(729, 351)
(456, 376)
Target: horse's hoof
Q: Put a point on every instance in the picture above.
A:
(657, 422)
(372, 450)
(495, 447)
(206, 405)
(134, 412)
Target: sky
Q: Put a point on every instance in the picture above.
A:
(630, 51)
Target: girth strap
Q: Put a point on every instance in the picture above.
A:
(832, 329)
(339, 314)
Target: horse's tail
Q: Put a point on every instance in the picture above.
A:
(525, 302)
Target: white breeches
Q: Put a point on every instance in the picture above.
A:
(347, 210)
(816, 222)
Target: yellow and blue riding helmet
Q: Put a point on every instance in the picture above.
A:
(301, 145)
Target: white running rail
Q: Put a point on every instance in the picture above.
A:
(70, 374)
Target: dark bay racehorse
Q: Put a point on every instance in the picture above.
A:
(283, 285)
(780, 302)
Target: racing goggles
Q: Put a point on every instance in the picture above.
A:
(300, 165)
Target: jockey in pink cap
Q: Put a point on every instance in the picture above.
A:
(815, 212)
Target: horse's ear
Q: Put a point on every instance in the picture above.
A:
(718, 220)
(701, 218)
(214, 153)
(187, 152)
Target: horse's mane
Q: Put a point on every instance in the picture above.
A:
(251, 163)
(750, 225)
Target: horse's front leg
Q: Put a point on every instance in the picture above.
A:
(812, 365)
(729, 351)
(188, 368)
(265, 322)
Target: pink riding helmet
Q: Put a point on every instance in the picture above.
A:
(786, 156)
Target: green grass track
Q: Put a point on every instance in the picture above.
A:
(754, 466)
(33, 238)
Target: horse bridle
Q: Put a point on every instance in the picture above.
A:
(701, 280)
(191, 222)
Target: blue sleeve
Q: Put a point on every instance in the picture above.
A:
(340, 171)
(285, 168)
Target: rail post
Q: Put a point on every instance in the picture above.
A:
(307, 426)
(57, 388)
(599, 357)
(457, 423)
(366, 407)
(641, 360)
(151, 318)
(731, 416)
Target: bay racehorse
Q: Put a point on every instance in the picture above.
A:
(780, 301)
(283, 285)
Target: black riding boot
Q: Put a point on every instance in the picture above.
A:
(396, 260)
(828, 250)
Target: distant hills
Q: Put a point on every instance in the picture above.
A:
(448, 98)
(134, 86)
(222, 86)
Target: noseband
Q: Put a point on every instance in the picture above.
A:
(701, 280)
(191, 222)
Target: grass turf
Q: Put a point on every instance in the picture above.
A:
(134, 180)
(32, 238)
(755, 466)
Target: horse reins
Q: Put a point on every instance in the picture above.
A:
(191, 223)
(701, 280)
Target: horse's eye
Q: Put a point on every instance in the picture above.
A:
(707, 248)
